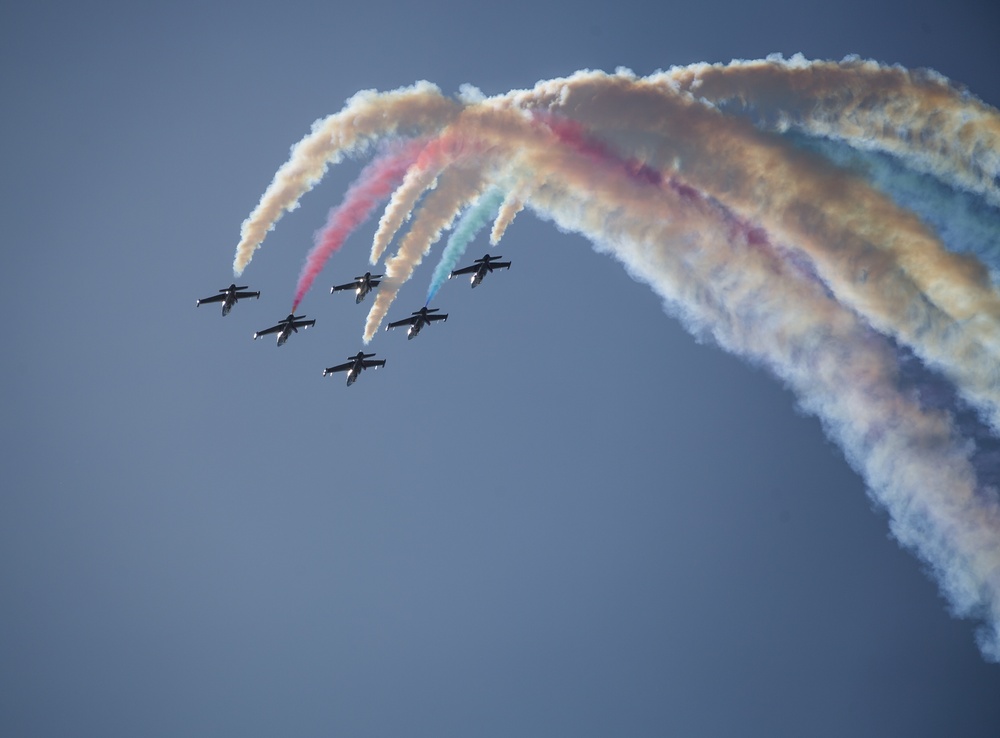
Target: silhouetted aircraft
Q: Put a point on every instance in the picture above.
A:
(418, 320)
(479, 269)
(286, 327)
(363, 285)
(353, 367)
(228, 297)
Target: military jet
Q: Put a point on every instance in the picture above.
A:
(354, 365)
(480, 267)
(417, 320)
(286, 327)
(228, 297)
(362, 285)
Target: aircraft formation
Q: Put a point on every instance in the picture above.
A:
(362, 286)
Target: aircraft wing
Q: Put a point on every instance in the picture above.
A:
(500, 265)
(465, 270)
(405, 321)
(369, 363)
(348, 286)
(269, 331)
(241, 295)
(304, 323)
(432, 318)
(214, 298)
(339, 368)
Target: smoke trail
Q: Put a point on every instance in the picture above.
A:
(374, 183)
(456, 187)
(471, 222)
(366, 116)
(433, 160)
(417, 181)
(963, 222)
(916, 114)
(512, 205)
(826, 275)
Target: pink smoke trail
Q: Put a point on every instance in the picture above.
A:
(375, 183)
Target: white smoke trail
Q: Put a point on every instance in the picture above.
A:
(511, 206)
(457, 186)
(366, 116)
(400, 206)
(437, 155)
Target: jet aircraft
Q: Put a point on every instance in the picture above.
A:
(286, 327)
(354, 365)
(361, 285)
(480, 267)
(417, 320)
(228, 297)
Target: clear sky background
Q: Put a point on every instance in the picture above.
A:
(556, 514)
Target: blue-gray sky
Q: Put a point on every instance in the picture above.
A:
(574, 520)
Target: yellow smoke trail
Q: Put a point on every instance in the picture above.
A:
(457, 186)
(367, 115)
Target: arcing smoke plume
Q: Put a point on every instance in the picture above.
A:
(824, 254)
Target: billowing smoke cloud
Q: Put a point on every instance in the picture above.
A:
(827, 255)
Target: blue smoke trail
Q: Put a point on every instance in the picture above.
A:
(965, 222)
(472, 221)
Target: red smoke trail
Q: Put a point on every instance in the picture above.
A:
(376, 182)
(575, 136)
